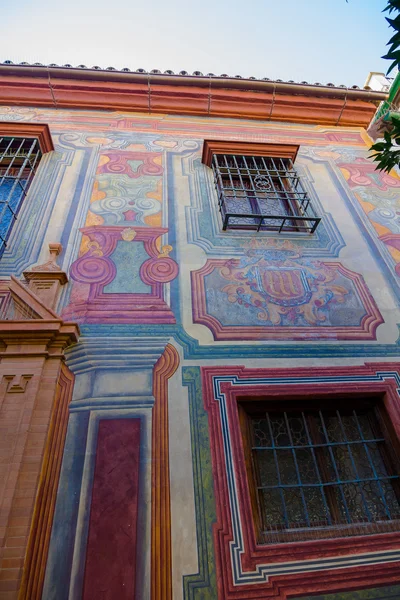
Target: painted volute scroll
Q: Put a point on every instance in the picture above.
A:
(199, 346)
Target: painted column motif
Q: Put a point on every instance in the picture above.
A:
(124, 262)
(109, 447)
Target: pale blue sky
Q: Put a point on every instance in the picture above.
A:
(311, 40)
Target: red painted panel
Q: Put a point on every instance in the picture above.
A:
(111, 548)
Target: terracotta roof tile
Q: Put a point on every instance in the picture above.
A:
(169, 72)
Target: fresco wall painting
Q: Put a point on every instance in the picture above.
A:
(161, 292)
(274, 294)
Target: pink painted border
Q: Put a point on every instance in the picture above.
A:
(287, 586)
(366, 330)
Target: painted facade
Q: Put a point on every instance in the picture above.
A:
(142, 487)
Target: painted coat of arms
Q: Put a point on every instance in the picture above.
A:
(274, 293)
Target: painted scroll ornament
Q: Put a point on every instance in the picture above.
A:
(96, 269)
(275, 293)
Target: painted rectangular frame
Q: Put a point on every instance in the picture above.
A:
(247, 569)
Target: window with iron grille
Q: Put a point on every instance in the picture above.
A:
(322, 472)
(258, 186)
(262, 193)
(19, 159)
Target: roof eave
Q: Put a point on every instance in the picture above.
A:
(186, 94)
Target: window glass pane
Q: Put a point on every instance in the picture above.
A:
(321, 469)
(279, 430)
(355, 503)
(307, 466)
(273, 517)
(375, 500)
(363, 462)
(316, 506)
(344, 464)
(287, 467)
(261, 432)
(294, 507)
(267, 468)
(328, 462)
(376, 458)
(351, 428)
(329, 428)
(298, 429)
(10, 197)
(390, 498)
(338, 506)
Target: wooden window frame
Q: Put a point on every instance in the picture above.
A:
(249, 408)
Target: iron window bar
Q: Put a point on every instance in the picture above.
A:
(339, 482)
(262, 193)
(321, 471)
(19, 159)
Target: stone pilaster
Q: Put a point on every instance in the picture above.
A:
(32, 416)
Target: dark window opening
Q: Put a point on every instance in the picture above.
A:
(319, 473)
(19, 159)
(261, 193)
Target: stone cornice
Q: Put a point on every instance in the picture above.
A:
(191, 95)
(212, 147)
(40, 131)
(41, 332)
(37, 337)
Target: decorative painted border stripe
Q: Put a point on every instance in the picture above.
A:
(264, 572)
(279, 569)
(192, 126)
(203, 219)
(161, 552)
(193, 350)
(205, 578)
